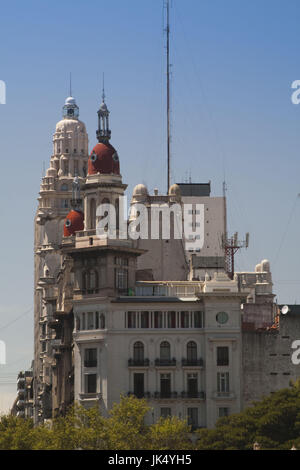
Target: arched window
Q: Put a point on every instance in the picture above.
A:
(165, 351)
(191, 351)
(92, 214)
(138, 352)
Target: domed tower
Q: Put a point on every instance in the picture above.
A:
(74, 221)
(104, 181)
(69, 159)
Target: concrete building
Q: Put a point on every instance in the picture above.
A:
(157, 318)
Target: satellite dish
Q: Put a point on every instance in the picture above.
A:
(285, 309)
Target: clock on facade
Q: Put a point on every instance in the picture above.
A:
(222, 317)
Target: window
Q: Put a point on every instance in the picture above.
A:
(92, 214)
(198, 319)
(145, 320)
(119, 261)
(222, 356)
(78, 323)
(158, 320)
(138, 385)
(91, 383)
(184, 319)
(138, 352)
(193, 417)
(165, 385)
(121, 279)
(102, 321)
(165, 412)
(90, 321)
(64, 187)
(165, 351)
(191, 350)
(90, 281)
(83, 321)
(192, 385)
(131, 316)
(90, 357)
(223, 382)
(64, 203)
(171, 319)
(223, 412)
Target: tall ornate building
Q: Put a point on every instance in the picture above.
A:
(152, 317)
(69, 159)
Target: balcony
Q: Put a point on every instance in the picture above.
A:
(138, 362)
(165, 362)
(224, 395)
(192, 362)
(90, 397)
(192, 395)
(166, 395)
(90, 363)
(140, 394)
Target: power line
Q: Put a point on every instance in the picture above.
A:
(16, 319)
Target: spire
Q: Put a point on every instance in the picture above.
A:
(103, 92)
(70, 108)
(76, 200)
(103, 132)
(70, 83)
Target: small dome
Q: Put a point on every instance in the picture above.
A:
(103, 107)
(70, 100)
(67, 125)
(74, 222)
(258, 268)
(51, 172)
(104, 159)
(265, 265)
(140, 190)
(174, 190)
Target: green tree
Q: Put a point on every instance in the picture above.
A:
(274, 422)
(125, 427)
(16, 433)
(170, 434)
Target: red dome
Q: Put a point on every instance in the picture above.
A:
(103, 159)
(73, 223)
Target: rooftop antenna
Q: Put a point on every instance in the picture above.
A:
(103, 92)
(70, 83)
(168, 96)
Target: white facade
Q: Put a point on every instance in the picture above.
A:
(184, 386)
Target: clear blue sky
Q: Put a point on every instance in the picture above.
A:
(233, 65)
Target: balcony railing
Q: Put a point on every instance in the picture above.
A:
(165, 362)
(193, 394)
(138, 362)
(90, 363)
(139, 394)
(166, 394)
(192, 362)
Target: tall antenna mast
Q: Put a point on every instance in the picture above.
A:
(70, 83)
(168, 95)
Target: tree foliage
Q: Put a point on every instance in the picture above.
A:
(273, 422)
